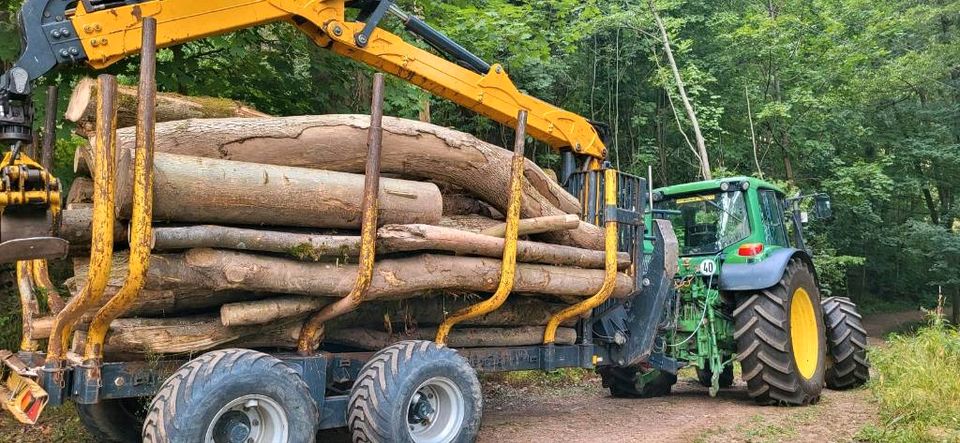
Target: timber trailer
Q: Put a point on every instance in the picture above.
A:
(420, 391)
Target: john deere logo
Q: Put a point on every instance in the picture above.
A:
(707, 267)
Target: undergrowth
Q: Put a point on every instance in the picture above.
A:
(917, 386)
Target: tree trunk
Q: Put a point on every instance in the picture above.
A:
(82, 107)
(200, 273)
(682, 90)
(412, 149)
(76, 224)
(205, 190)
(371, 339)
(390, 239)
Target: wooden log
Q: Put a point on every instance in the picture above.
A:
(517, 311)
(196, 275)
(82, 107)
(81, 191)
(390, 239)
(538, 225)
(202, 333)
(413, 149)
(80, 166)
(393, 278)
(76, 225)
(205, 190)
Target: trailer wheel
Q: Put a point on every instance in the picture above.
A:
(232, 395)
(781, 340)
(705, 376)
(634, 383)
(847, 343)
(415, 391)
(114, 421)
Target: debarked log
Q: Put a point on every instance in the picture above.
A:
(205, 190)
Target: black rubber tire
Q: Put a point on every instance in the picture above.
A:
(623, 382)
(190, 399)
(848, 367)
(379, 401)
(764, 344)
(705, 377)
(114, 421)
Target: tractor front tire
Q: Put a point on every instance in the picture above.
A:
(847, 342)
(233, 395)
(781, 341)
(633, 383)
(415, 391)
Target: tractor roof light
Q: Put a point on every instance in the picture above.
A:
(750, 249)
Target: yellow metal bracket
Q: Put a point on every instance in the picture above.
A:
(141, 227)
(610, 265)
(508, 267)
(312, 331)
(101, 249)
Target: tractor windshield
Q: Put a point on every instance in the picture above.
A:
(707, 223)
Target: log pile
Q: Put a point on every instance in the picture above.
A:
(256, 226)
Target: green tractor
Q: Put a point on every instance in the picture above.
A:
(747, 291)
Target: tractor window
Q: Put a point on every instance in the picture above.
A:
(708, 223)
(772, 216)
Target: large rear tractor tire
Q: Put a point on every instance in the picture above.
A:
(233, 395)
(114, 421)
(415, 392)
(781, 342)
(637, 383)
(847, 342)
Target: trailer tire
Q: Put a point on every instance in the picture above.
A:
(847, 344)
(628, 383)
(114, 421)
(705, 376)
(781, 341)
(415, 391)
(236, 392)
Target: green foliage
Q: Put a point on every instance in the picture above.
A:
(917, 387)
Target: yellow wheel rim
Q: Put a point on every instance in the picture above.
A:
(804, 334)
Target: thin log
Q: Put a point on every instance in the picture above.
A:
(81, 108)
(519, 311)
(538, 225)
(413, 149)
(205, 190)
(390, 239)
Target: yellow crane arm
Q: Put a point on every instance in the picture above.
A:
(110, 34)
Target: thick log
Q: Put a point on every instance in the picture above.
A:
(197, 275)
(538, 225)
(372, 339)
(82, 107)
(205, 190)
(76, 225)
(81, 191)
(403, 314)
(393, 278)
(390, 239)
(411, 148)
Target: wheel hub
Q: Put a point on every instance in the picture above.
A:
(249, 419)
(233, 427)
(436, 411)
(804, 334)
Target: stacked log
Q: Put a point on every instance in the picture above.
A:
(256, 226)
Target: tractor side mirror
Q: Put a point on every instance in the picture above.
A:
(822, 209)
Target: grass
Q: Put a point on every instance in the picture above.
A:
(917, 386)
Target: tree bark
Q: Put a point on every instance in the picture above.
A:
(76, 224)
(390, 239)
(412, 149)
(538, 225)
(206, 190)
(82, 107)
(81, 191)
